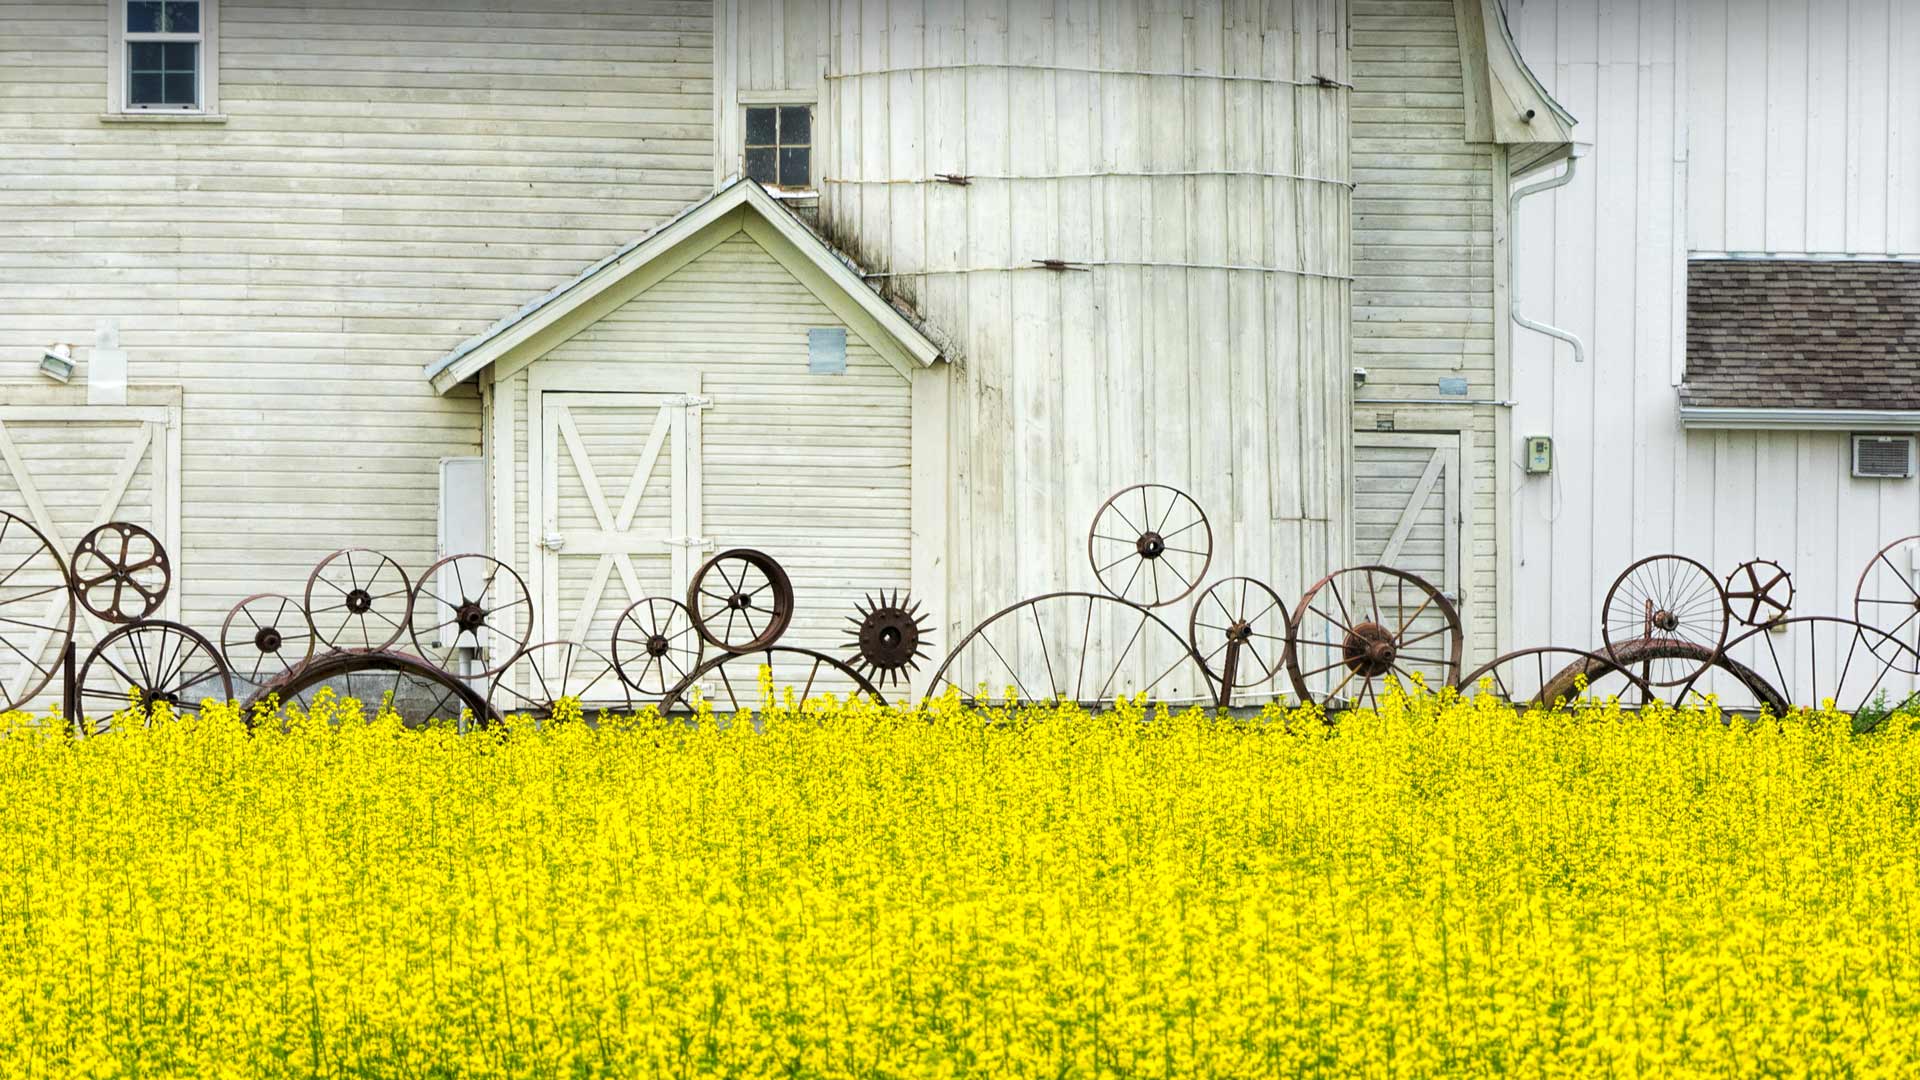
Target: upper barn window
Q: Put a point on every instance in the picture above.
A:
(162, 56)
(780, 145)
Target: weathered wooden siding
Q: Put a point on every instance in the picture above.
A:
(1201, 338)
(390, 179)
(1423, 237)
(1716, 126)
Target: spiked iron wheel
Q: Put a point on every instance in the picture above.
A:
(1356, 627)
(1759, 592)
(265, 636)
(358, 599)
(462, 601)
(1888, 599)
(1238, 630)
(543, 675)
(1150, 545)
(887, 638)
(1547, 676)
(36, 611)
(1086, 648)
(741, 600)
(418, 692)
(162, 661)
(656, 645)
(792, 667)
(1666, 599)
(120, 572)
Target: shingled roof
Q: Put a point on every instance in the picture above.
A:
(1803, 334)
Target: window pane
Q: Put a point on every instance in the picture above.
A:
(796, 125)
(180, 55)
(795, 166)
(760, 127)
(143, 17)
(144, 89)
(181, 18)
(145, 56)
(179, 88)
(760, 166)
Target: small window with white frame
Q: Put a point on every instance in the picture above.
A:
(779, 146)
(162, 57)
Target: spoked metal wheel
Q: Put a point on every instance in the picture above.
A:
(120, 572)
(36, 611)
(1759, 592)
(1548, 676)
(418, 692)
(358, 599)
(1078, 647)
(741, 600)
(656, 645)
(731, 680)
(1805, 663)
(1150, 545)
(465, 602)
(1238, 630)
(1665, 599)
(158, 662)
(1358, 627)
(1888, 600)
(541, 677)
(265, 636)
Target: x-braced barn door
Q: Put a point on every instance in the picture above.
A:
(619, 514)
(1408, 507)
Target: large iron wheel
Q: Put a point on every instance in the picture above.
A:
(1888, 600)
(1545, 677)
(1359, 626)
(358, 599)
(1238, 630)
(1781, 668)
(1638, 657)
(163, 662)
(656, 645)
(415, 690)
(461, 601)
(1665, 599)
(1150, 545)
(265, 636)
(544, 675)
(787, 661)
(120, 572)
(36, 611)
(1073, 646)
(741, 600)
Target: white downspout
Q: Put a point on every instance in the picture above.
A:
(1513, 256)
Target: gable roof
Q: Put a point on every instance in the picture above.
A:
(740, 206)
(1803, 334)
(1505, 102)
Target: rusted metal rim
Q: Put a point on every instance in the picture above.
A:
(1887, 599)
(889, 637)
(656, 644)
(1553, 670)
(1054, 666)
(163, 660)
(741, 600)
(1759, 592)
(36, 612)
(487, 597)
(1689, 656)
(1151, 539)
(1865, 660)
(554, 670)
(1238, 632)
(265, 636)
(1357, 627)
(359, 600)
(675, 698)
(1665, 598)
(115, 565)
(384, 672)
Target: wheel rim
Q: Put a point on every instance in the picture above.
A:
(1360, 626)
(163, 661)
(1665, 599)
(36, 611)
(1150, 545)
(358, 599)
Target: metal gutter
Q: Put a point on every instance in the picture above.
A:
(1513, 255)
(1729, 418)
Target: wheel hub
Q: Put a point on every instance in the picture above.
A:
(1240, 632)
(1369, 650)
(657, 645)
(1151, 545)
(470, 616)
(267, 640)
(739, 602)
(1666, 621)
(152, 697)
(359, 601)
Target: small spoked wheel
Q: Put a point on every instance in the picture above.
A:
(461, 602)
(543, 676)
(741, 600)
(1238, 629)
(1759, 593)
(656, 645)
(143, 665)
(120, 572)
(1360, 626)
(266, 636)
(358, 599)
(1150, 545)
(1665, 600)
(1888, 600)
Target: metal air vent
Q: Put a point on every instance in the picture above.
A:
(1883, 456)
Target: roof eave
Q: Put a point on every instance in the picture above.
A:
(1796, 418)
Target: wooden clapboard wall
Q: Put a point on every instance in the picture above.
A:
(1183, 162)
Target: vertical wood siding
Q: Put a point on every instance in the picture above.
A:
(391, 179)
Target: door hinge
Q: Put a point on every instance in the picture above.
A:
(697, 543)
(695, 401)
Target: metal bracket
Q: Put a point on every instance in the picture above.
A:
(697, 543)
(695, 401)
(553, 541)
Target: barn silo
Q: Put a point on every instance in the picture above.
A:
(1129, 218)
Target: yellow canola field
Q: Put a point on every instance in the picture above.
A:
(1441, 888)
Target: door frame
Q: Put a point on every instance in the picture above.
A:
(1457, 491)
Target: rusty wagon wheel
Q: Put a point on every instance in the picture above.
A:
(1545, 677)
(413, 689)
(265, 636)
(888, 638)
(1638, 657)
(543, 675)
(655, 644)
(163, 662)
(812, 672)
(1238, 630)
(461, 601)
(741, 600)
(1888, 600)
(1665, 598)
(1803, 663)
(120, 572)
(1759, 592)
(358, 599)
(1087, 648)
(1150, 545)
(36, 611)
(1359, 626)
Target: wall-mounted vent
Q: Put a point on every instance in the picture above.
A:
(1883, 456)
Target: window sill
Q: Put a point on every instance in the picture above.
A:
(162, 118)
(791, 194)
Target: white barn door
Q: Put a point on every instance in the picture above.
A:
(1408, 508)
(618, 507)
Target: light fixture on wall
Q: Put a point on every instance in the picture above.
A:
(56, 362)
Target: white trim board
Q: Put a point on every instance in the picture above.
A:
(1722, 418)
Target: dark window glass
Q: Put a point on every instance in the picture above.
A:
(795, 166)
(760, 165)
(796, 125)
(161, 73)
(180, 56)
(143, 17)
(144, 90)
(182, 18)
(163, 17)
(179, 88)
(760, 129)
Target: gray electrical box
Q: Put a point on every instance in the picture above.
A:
(1539, 455)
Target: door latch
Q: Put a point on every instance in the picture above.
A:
(553, 541)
